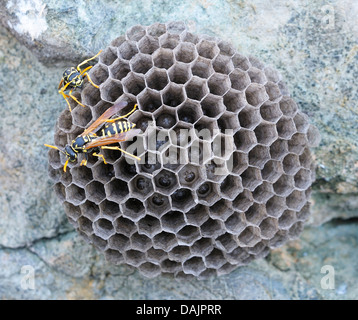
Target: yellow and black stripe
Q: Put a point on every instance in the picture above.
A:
(114, 128)
(81, 141)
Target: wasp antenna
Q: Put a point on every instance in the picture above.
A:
(54, 147)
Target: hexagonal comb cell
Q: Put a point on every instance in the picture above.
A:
(157, 78)
(75, 194)
(128, 50)
(141, 186)
(119, 69)
(188, 235)
(212, 106)
(219, 84)
(256, 94)
(182, 199)
(207, 49)
(190, 111)
(270, 111)
(157, 204)
(111, 90)
(156, 29)
(148, 44)
(202, 68)
(169, 41)
(141, 63)
(185, 52)
(81, 116)
(190, 175)
(196, 88)
(133, 209)
(173, 95)
(108, 56)
(192, 206)
(163, 58)
(166, 181)
(133, 83)
(179, 73)
(99, 73)
(149, 100)
(241, 62)
(239, 80)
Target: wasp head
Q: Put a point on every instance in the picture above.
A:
(68, 72)
(71, 78)
(68, 152)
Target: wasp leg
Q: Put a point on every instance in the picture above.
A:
(84, 70)
(65, 96)
(84, 161)
(100, 156)
(84, 62)
(74, 98)
(125, 116)
(90, 80)
(119, 149)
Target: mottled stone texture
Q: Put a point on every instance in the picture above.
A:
(313, 45)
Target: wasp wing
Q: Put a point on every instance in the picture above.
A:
(106, 140)
(105, 116)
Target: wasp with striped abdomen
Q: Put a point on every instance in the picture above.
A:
(72, 78)
(115, 130)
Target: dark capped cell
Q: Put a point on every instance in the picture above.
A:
(152, 104)
(189, 176)
(141, 184)
(173, 102)
(210, 169)
(158, 200)
(204, 189)
(187, 118)
(130, 168)
(173, 96)
(143, 123)
(165, 181)
(150, 107)
(180, 194)
(166, 121)
(149, 167)
(159, 143)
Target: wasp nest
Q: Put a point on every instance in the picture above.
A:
(229, 173)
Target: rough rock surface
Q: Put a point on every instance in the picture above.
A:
(314, 45)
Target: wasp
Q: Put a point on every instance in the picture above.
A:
(115, 130)
(72, 78)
